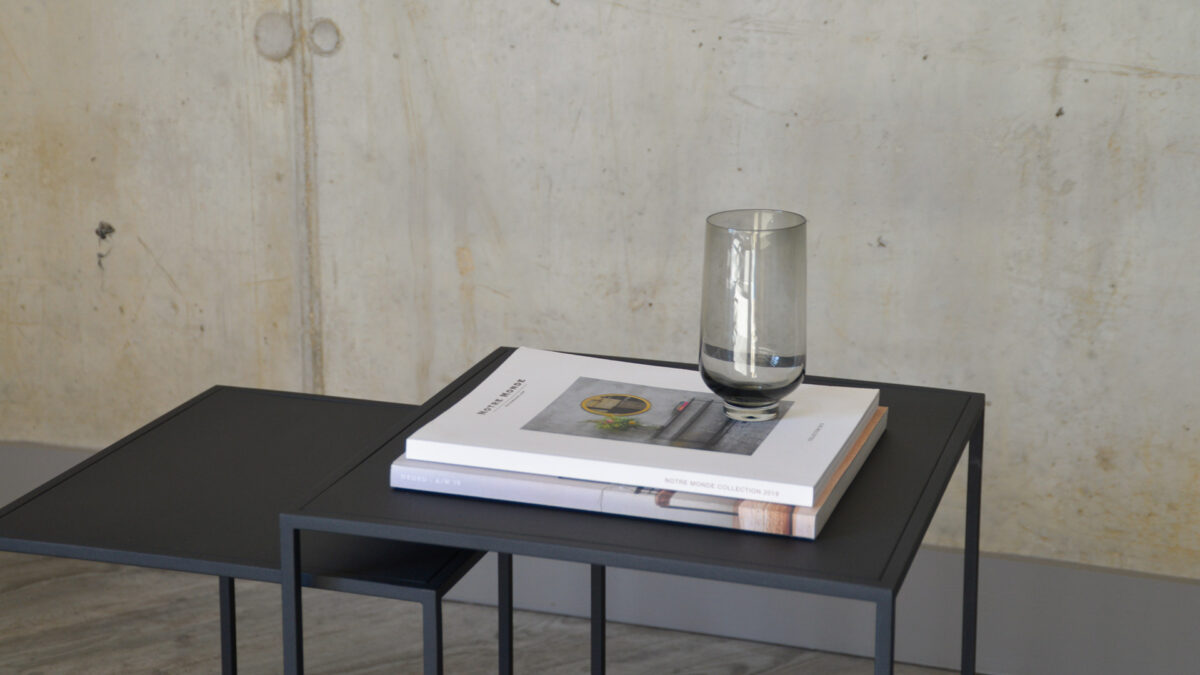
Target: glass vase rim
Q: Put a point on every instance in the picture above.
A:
(728, 220)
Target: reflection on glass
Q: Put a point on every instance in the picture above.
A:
(752, 317)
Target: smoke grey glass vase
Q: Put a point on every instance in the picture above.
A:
(752, 316)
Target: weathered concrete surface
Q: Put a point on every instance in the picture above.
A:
(146, 214)
(1002, 198)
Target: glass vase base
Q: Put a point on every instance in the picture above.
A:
(763, 413)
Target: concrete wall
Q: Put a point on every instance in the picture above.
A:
(147, 220)
(1002, 198)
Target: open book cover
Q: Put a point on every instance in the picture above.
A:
(609, 421)
(626, 500)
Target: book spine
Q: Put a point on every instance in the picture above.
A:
(622, 500)
(601, 471)
(465, 482)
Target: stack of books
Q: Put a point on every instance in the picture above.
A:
(647, 441)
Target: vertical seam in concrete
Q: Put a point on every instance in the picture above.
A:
(312, 337)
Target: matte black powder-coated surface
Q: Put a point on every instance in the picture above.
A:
(201, 488)
(865, 548)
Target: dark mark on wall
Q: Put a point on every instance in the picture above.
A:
(103, 231)
(1060, 113)
(879, 242)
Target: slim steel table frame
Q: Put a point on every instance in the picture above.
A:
(864, 552)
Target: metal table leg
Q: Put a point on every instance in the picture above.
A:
(504, 605)
(971, 549)
(432, 634)
(885, 634)
(228, 626)
(289, 557)
(599, 618)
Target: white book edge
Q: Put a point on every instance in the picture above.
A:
(485, 429)
(724, 512)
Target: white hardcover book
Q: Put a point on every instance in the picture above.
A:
(630, 424)
(626, 500)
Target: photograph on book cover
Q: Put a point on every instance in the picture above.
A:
(622, 411)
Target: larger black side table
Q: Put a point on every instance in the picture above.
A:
(200, 490)
(864, 551)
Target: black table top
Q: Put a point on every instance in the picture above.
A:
(864, 549)
(201, 488)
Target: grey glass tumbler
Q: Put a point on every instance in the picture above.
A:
(752, 315)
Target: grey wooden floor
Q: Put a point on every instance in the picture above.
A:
(68, 616)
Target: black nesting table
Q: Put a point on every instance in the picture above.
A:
(864, 551)
(200, 490)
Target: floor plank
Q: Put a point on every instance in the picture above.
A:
(69, 616)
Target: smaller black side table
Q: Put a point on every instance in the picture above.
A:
(200, 490)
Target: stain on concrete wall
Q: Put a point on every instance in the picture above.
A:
(1001, 198)
(146, 197)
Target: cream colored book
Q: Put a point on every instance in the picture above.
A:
(608, 421)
